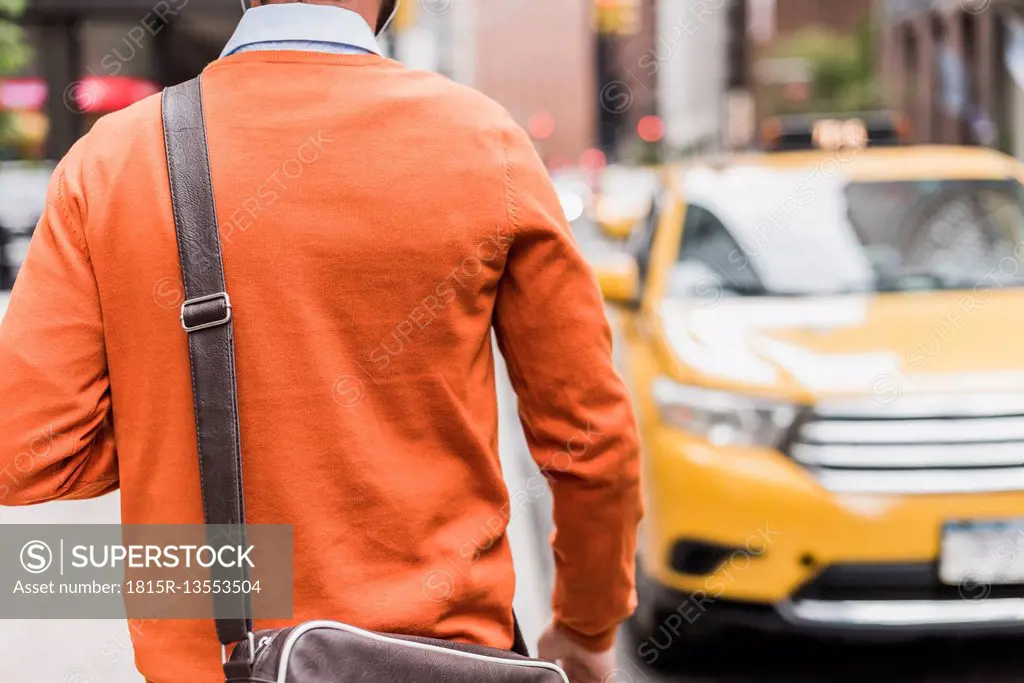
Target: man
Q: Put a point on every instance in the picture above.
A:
(376, 223)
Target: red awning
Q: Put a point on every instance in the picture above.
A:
(91, 95)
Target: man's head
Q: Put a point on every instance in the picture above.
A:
(378, 13)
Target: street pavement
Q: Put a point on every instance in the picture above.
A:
(100, 651)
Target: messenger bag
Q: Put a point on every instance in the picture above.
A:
(313, 652)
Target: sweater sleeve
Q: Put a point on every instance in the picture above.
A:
(552, 330)
(55, 435)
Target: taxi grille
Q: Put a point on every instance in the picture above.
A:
(920, 444)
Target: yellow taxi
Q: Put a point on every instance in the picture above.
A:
(824, 343)
(624, 195)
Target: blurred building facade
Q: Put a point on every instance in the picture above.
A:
(577, 74)
(944, 68)
(536, 58)
(163, 42)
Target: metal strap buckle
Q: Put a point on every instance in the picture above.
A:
(252, 650)
(213, 323)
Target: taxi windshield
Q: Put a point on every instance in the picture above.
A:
(755, 232)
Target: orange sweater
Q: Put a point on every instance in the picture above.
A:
(376, 221)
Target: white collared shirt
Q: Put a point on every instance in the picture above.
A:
(298, 26)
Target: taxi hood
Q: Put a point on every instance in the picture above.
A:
(851, 345)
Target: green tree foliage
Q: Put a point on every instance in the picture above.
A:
(842, 67)
(13, 52)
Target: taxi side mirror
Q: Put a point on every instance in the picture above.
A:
(619, 279)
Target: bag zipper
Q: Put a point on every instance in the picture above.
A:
(261, 645)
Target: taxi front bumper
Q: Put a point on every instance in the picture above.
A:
(749, 535)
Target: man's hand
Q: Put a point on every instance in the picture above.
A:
(580, 664)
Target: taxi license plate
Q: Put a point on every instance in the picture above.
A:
(982, 552)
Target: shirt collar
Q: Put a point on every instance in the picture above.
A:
(302, 23)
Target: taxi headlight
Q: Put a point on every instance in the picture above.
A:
(724, 419)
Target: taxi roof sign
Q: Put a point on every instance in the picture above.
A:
(789, 133)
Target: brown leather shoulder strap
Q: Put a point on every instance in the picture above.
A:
(206, 318)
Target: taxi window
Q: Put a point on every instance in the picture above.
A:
(797, 234)
(953, 229)
(710, 252)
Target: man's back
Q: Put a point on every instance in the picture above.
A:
(375, 222)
